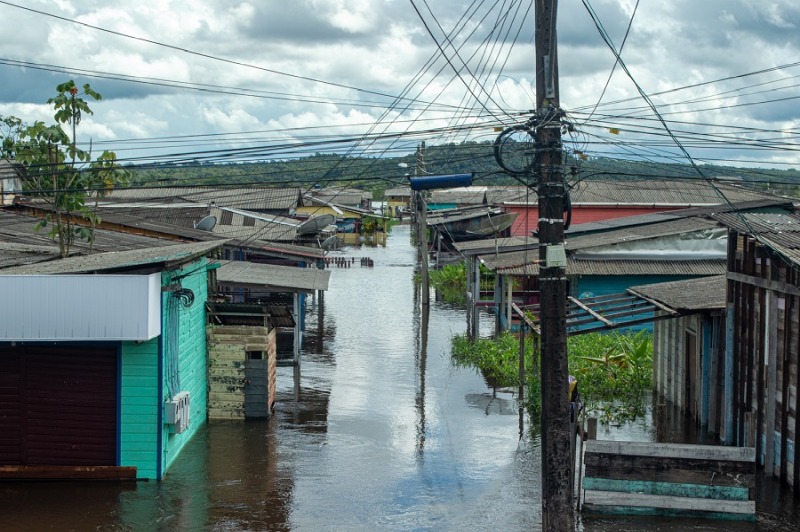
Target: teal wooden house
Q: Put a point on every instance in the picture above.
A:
(103, 363)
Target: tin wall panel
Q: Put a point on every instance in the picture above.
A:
(80, 307)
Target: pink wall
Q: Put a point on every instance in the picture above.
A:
(528, 219)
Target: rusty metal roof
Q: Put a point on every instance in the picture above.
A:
(705, 293)
(283, 278)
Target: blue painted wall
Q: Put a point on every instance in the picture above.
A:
(192, 356)
(139, 407)
(600, 285)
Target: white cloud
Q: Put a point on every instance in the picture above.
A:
(382, 48)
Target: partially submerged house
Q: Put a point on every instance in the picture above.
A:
(267, 284)
(763, 313)
(103, 362)
(397, 198)
(608, 263)
(609, 256)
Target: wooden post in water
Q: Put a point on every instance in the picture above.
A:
(591, 428)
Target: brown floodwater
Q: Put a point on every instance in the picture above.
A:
(375, 431)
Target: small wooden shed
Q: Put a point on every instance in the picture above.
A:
(242, 360)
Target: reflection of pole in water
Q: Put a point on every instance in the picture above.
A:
(421, 315)
(296, 384)
(521, 393)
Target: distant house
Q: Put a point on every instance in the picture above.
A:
(594, 200)
(103, 362)
(609, 256)
(457, 198)
(345, 197)
(12, 176)
(398, 197)
(610, 262)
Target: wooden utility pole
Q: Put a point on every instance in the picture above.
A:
(422, 229)
(557, 510)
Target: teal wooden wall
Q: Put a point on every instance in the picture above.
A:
(596, 285)
(139, 407)
(192, 362)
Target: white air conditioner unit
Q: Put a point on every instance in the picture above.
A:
(176, 412)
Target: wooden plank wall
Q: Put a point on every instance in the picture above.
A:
(766, 326)
(227, 349)
(644, 478)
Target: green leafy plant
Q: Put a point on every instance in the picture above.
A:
(614, 370)
(60, 173)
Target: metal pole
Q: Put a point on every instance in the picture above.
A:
(557, 509)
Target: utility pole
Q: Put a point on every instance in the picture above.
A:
(422, 229)
(557, 510)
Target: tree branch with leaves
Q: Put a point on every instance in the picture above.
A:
(60, 174)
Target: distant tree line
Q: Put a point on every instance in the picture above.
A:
(376, 174)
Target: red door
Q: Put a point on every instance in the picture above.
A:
(58, 405)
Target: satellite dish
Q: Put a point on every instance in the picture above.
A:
(315, 224)
(206, 224)
(328, 243)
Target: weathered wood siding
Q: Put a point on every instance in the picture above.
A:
(763, 290)
(689, 366)
(228, 374)
(644, 478)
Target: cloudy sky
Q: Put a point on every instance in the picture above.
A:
(282, 78)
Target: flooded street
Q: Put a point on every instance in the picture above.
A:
(376, 431)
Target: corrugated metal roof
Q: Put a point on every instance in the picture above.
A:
(403, 192)
(706, 293)
(655, 192)
(119, 260)
(502, 245)
(496, 195)
(459, 196)
(457, 215)
(18, 228)
(17, 254)
(781, 232)
(771, 224)
(626, 234)
(248, 198)
(640, 232)
(270, 275)
(622, 267)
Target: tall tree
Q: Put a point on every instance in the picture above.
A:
(62, 175)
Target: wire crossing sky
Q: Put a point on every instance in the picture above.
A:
(222, 81)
